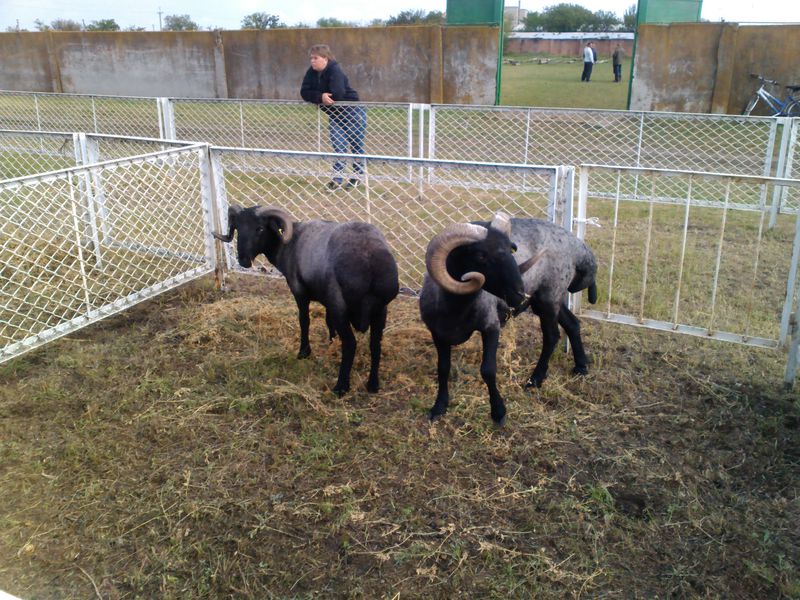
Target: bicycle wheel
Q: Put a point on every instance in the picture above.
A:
(750, 106)
(793, 110)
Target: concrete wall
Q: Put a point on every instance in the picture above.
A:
(705, 67)
(562, 47)
(428, 64)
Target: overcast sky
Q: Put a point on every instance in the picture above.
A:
(228, 14)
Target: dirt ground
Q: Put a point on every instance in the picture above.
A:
(180, 450)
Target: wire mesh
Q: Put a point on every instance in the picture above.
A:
(701, 265)
(287, 125)
(713, 143)
(29, 153)
(83, 243)
(120, 115)
(408, 200)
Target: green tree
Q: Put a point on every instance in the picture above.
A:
(629, 18)
(103, 25)
(333, 22)
(570, 17)
(604, 20)
(262, 20)
(567, 17)
(417, 17)
(179, 23)
(58, 25)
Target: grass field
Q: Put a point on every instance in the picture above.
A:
(179, 450)
(557, 83)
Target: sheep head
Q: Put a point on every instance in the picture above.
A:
(259, 230)
(482, 257)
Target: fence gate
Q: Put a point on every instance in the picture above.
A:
(82, 243)
(691, 253)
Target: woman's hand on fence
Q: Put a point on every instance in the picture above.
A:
(327, 98)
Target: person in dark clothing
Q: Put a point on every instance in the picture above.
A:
(616, 62)
(325, 84)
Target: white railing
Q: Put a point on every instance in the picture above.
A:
(409, 200)
(682, 255)
(83, 243)
(688, 252)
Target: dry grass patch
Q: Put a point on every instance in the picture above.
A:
(181, 450)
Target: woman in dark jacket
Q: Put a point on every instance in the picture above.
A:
(325, 84)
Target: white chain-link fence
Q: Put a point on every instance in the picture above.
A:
(409, 200)
(82, 243)
(119, 115)
(760, 146)
(391, 128)
(685, 257)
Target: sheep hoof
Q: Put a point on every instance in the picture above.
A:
(341, 390)
(580, 370)
(435, 416)
(304, 353)
(501, 423)
(372, 388)
(534, 382)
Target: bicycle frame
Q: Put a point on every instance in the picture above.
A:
(780, 108)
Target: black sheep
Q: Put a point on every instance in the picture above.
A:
(347, 267)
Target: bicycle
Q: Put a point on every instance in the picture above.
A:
(788, 107)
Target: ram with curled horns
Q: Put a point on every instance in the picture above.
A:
(474, 283)
(346, 267)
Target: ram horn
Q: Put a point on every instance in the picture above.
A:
(286, 228)
(502, 222)
(531, 261)
(440, 247)
(233, 211)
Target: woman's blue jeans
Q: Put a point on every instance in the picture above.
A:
(346, 127)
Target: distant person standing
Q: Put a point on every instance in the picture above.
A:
(616, 61)
(589, 58)
(325, 84)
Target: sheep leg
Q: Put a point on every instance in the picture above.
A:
(376, 326)
(302, 310)
(330, 324)
(442, 375)
(572, 326)
(348, 354)
(491, 340)
(550, 336)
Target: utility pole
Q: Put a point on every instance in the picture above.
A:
(159, 20)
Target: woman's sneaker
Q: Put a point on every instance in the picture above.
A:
(352, 184)
(334, 184)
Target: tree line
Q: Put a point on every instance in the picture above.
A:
(256, 20)
(574, 17)
(556, 18)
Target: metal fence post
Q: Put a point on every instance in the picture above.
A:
(85, 187)
(218, 196)
(583, 194)
(794, 348)
(93, 156)
(166, 118)
(786, 314)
